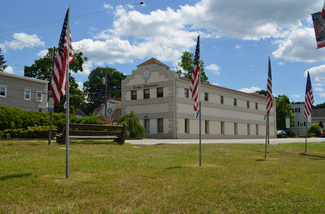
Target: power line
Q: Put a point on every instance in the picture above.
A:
(89, 14)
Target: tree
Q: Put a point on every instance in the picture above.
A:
(2, 62)
(95, 90)
(316, 129)
(321, 124)
(283, 110)
(187, 62)
(261, 92)
(42, 69)
(134, 126)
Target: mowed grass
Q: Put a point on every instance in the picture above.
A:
(106, 177)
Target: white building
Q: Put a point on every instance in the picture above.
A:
(25, 93)
(300, 122)
(161, 99)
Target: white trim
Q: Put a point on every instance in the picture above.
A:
(37, 98)
(30, 94)
(5, 87)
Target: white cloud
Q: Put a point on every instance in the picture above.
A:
(319, 89)
(42, 53)
(317, 72)
(215, 68)
(319, 84)
(9, 69)
(250, 90)
(238, 46)
(299, 46)
(81, 84)
(217, 84)
(22, 40)
(321, 94)
(295, 95)
(280, 63)
(251, 65)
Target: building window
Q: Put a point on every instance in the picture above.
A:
(235, 102)
(248, 129)
(221, 99)
(147, 125)
(133, 95)
(3, 91)
(297, 110)
(206, 127)
(187, 126)
(304, 123)
(146, 93)
(222, 126)
(27, 95)
(160, 92)
(235, 129)
(297, 123)
(39, 96)
(206, 97)
(256, 106)
(256, 129)
(185, 92)
(160, 125)
(247, 104)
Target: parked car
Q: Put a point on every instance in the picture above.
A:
(281, 133)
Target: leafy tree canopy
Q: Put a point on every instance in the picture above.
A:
(2, 62)
(95, 90)
(283, 110)
(187, 62)
(261, 92)
(42, 69)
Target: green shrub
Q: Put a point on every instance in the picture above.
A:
(291, 133)
(90, 120)
(30, 132)
(311, 134)
(134, 126)
(316, 129)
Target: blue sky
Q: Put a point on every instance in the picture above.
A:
(236, 38)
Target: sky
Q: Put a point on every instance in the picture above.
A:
(236, 38)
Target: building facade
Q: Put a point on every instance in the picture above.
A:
(23, 92)
(300, 121)
(162, 101)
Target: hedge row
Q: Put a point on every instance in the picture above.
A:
(15, 118)
(30, 132)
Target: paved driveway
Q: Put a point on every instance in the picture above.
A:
(240, 141)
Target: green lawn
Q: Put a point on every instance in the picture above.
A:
(106, 177)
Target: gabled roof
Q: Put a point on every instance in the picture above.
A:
(153, 61)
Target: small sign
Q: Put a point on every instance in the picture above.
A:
(197, 114)
(51, 104)
(288, 122)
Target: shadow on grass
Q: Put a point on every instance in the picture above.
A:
(95, 143)
(261, 159)
(2, 178)
(314, 157)
(173, 167)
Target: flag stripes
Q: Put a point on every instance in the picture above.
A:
(269, 101)
(196, 76)
(309, 97)
(64, 52)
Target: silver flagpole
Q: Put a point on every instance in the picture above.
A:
(306, 134)
(266, 133)
(200, 112)
(67, 125)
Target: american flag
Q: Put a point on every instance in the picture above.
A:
(269, 101)
(309, 97)
(196, 76)
(59, 80)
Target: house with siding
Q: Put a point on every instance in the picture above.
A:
(23, 92)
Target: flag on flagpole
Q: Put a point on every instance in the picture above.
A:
(59, 80)
(309, 97)
(269, 100)
(194, 88)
